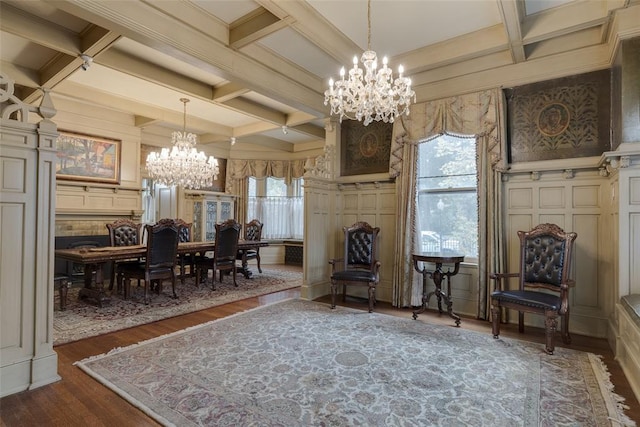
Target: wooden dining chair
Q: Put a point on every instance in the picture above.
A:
(184, 235)
(224, 253)
(252, 232)
(160, 261)
(123, 232)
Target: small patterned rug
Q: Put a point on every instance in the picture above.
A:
(299, 363)
(83, 319)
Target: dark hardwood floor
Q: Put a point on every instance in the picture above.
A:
(78, 400)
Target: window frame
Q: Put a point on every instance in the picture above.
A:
(447, 190)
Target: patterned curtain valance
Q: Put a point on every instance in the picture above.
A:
(287, 169)
(471, 114)
(238, 170)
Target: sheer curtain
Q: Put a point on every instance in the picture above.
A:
(276, 225)
(282, 216)
(480, 114)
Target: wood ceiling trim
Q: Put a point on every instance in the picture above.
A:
(472, 45)
(309, 130)
(254, 26)
(147, 25)
(563, 20)
(134, 66)
(39, 31)
(511, 13)
(313, 26)
(229, 91)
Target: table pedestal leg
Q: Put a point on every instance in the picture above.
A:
(96, 292)
(245, 269)
(437, 276)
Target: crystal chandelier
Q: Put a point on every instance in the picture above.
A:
(369, 94)
(183, 166)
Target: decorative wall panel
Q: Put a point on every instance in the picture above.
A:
(586, 196)
(520, 198)
(561, 118)
(552, 198)
(634, 191)
(574, 205)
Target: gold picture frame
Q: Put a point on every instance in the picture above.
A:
(89, 158)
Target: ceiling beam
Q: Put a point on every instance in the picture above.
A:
(254, 26)
(193, 43)
(38, 31)
(313, 26)
(562, 20)
(309, 130)
(229, 91)
(134, 66)
(141, 121)
(92, 41)
(512, 13)
(468, 46)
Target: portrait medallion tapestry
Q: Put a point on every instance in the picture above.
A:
(560, 119)
(365, 149)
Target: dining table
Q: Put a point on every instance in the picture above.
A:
(94, 260)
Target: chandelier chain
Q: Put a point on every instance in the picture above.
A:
(369, 25)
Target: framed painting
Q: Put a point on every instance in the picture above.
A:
(559, 119)
(88, 158)
(365, 149)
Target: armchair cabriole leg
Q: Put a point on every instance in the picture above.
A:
(551, 324)
(334, 291)
(566, 338)
(372, 297)
(495, 320)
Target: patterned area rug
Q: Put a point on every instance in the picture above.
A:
(299, 363)
(82, 319)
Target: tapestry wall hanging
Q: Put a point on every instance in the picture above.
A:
(365, 149)
(560, 119)
(87, 158)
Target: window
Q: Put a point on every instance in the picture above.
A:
(278, 206)
(447, 210)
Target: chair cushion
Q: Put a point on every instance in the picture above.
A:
(354, 275)
(531, 299)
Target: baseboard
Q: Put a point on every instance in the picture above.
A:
(317, 290)
(627, 349)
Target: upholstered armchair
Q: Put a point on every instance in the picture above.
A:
(359, 266)
(543, 282)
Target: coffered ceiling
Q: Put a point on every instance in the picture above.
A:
(251, 67)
